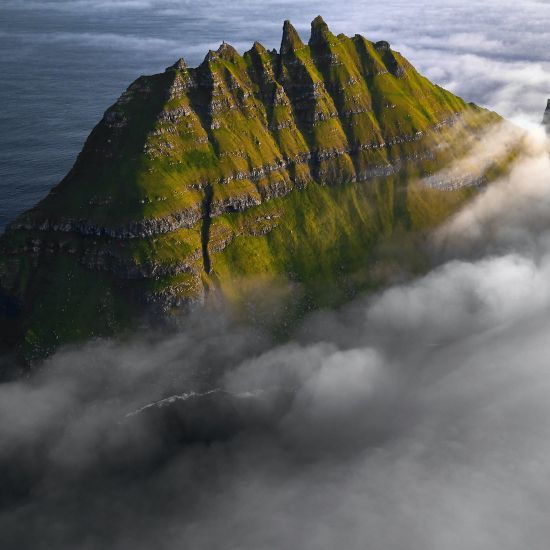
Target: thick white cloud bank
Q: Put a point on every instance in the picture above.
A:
(418, 418)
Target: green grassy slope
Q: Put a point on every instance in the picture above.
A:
(296, 169)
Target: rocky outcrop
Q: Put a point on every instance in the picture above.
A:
(132, 230)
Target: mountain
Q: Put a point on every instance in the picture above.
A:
(296, 170)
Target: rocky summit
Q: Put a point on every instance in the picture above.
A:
(294, 170)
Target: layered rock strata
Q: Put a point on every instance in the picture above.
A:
(200, 175)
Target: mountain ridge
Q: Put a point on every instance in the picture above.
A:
(191, 179)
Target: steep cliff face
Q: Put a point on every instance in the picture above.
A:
(291, 166)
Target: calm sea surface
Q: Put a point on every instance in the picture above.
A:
(60, 71)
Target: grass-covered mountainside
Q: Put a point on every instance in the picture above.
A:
(296, 170)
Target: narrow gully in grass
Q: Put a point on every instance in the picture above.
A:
(205, 228)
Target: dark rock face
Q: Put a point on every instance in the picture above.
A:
(291, 40)
(382, 46)
(132, 230)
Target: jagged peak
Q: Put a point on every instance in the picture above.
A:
(227, 51)
(180, 64)
(382, 46)
(291, 40)
(258, 47)
(210, 56)
(257, 51)
(320, 33)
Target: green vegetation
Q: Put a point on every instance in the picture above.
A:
(300, 171)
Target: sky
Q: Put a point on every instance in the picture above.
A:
(416, 418)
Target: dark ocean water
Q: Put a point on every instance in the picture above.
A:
(63, 62)
(60, 71)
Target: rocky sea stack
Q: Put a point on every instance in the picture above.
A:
(299, 167)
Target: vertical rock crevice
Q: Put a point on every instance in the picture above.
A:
(205, 227)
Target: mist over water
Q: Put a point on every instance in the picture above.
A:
(416, 418)
(64, 62)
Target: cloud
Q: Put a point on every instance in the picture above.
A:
(415, 418)
(512, 215)
(81, 5)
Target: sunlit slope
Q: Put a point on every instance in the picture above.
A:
(297, 166)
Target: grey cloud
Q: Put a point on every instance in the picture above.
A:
(415, 418)
(81, 5)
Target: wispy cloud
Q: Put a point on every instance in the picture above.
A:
(81, 5)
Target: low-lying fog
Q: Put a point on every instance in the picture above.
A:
(418, 418)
